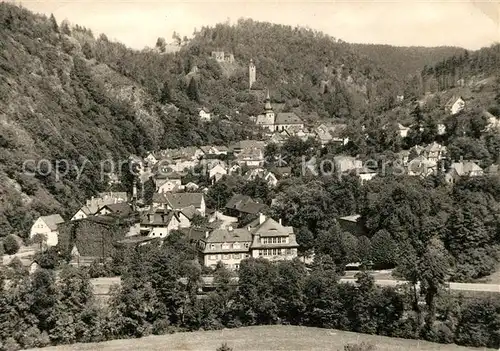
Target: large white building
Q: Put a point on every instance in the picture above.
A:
(47, 227)
(264, 238)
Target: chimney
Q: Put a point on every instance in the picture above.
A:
(207, 233)
(230, 229)
(279, 221)
(262, 218)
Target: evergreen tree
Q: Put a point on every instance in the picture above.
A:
(53, 23)
(384, 248)
(166, 93)
(87, 51)
(65, 28)
(161, 44)
(192, 91)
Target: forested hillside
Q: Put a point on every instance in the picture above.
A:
(294, 63)
(403, 61)
(67, 94)
(465, 69)
(57, 102)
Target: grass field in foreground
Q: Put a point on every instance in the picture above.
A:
(260, 338)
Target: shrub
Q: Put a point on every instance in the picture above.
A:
(161, 327)
(11, 344)
(479, 323)
(224, 347)
(10, 245)
(48, 259)
(360, 347)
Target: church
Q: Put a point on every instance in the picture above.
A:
(278, 121)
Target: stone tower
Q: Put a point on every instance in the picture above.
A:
(251, 74)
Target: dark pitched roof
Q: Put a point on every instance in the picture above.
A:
(121, 209)
(159, 198)
(229, 236)
(52, 221)
(252, 208)
(237, 200)
(272, 228)
(183, 200)
(157, 217)
(245, 204)
(287, 118)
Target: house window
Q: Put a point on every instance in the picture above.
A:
(225, 246)
(261, 252)
(288, 251)
(246, 245)
(236, 246)
(226, 257)
(213, 257)
(212, 246)
(237, 256)
(236, 266)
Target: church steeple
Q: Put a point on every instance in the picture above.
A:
(268, 106)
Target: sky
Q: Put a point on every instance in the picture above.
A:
(136, 23)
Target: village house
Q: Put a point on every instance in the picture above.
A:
(455, 105)
(268, 239)
(150, 159)
(47, 226)
(403, 130)
(191, 153)
(403, 157)
(179, 201)
(121, 210)
(253, 157)
(214, 150)
(240, 146)
(365, 174)
(158, 223)
(168, 182)
(83, 212)
(352, 224)
(462, 169)
(346, 164)
(281, 172)
(229, 246)
(262, 173)
(221, 56)
(421, 166)
(277, 121)
(277, 138)
(240, 205)
(273, 241)
(191, 186)
(205, 115)
(435, 152)
(331, 133)
(216, 172)
(95, 203)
